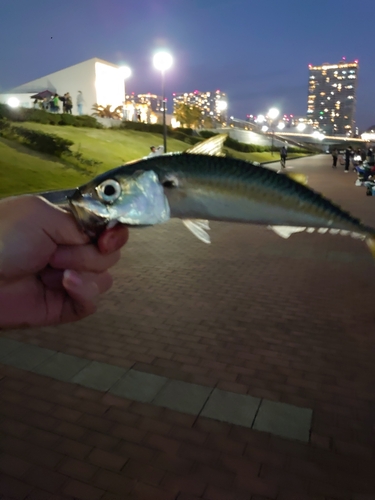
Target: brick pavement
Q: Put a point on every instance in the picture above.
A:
(286, 320)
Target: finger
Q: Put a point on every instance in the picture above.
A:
(83, 291)
(113, 239)
(32, 228)
(83, 258)
(61, 226)
(52, 278)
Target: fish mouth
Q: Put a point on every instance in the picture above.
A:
(91, 215)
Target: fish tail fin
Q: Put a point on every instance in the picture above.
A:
(371, 244)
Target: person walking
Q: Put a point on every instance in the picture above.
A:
(283, 155)
(348, 155)
(335, 155)
(80, 102)
(56, 103)
(68, 103)
(370, 156)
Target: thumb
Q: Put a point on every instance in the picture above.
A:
(82, 295)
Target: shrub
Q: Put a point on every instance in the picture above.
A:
(47, 118)
(66, 119)
(86, 121)
(186, 131)
(45, 143)
(206, 134)
(155, 128)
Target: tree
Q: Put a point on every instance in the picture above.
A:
(106, 112)
(208, 122)
(188, 115)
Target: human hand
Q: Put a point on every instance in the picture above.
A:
(50, 273)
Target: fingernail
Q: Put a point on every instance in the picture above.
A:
(72, 278)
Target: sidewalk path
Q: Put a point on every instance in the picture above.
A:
(188, 328)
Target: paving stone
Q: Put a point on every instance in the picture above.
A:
(139, 386)
(99, 376)
(229, 407)
(27, 356)
(284, 420)
(7, 346)
(62, 366)
(183, 397)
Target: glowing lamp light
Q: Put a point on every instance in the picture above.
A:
(125, 72)
(162, 61)
(260, 119)
(273, 113)
(318, 135)
(13, 102)
(301, 127)
(264, 128)
(281, 126)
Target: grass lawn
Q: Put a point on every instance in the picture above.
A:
(21, 172)
(25, 171)
(111, 147)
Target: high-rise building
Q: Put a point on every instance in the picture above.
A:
(212, 104)
(332, 97)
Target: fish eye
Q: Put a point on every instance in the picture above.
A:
(170, 182)
(109, 191)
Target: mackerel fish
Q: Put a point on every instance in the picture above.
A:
(198, 188)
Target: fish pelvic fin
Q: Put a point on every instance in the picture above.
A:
(199, 228)
(371, 245)
(301, 178)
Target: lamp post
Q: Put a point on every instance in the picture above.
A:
(125, 72)
(162, 62)
(273, 113)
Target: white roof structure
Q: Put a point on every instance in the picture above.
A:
(100, 82)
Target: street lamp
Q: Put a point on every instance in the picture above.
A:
(273, 113)
(125, 73)
(162, 62)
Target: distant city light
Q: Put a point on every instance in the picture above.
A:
(301, 127)
(222, 105)
(260, 119)
(264, 128)
(13, 102)
(281, 126)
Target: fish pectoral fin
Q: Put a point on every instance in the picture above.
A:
(286, 231)
(199, 228)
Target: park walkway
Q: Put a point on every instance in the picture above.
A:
(240, 370)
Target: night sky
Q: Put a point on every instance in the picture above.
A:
(257, 51)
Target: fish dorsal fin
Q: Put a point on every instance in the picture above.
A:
(199, 228)
(212, 146)
(286, 231)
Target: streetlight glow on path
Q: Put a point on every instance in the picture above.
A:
(163, 61)
(125, 72)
